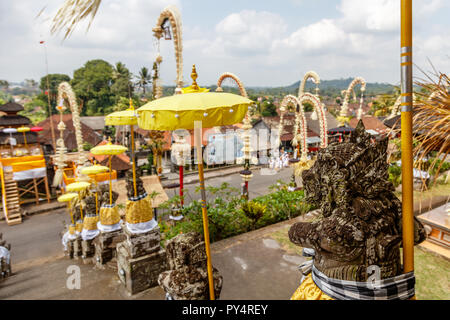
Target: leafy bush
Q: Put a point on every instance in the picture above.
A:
(230, 215)
(395, 174)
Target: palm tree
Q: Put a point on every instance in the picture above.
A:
(144, 78)
(71, 13)
(121, 71)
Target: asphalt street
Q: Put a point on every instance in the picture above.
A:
(39, 236)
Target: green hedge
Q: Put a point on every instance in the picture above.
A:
(230, 215)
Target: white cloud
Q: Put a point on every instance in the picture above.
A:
(247, 32)
(317, 36)
(361, 40)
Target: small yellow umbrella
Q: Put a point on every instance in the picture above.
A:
(24, 129)
(109, 149)
(95, 169)
(78, 187)
(186, 111)
(68, 197)
(127, 117)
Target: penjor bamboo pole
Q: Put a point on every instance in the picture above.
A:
(132, 159)
(198, 144)
(406, 136)
(110, 182)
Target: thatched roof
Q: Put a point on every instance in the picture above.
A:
(11, 107)
(14, 120)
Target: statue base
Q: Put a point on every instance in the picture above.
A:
(139, 273)
(105, 246)
(87, 250)
(77, 250)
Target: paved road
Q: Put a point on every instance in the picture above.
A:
(258, 185)
(39, 236)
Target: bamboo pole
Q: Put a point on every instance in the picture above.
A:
(71, 213)
(198, 144)
(81, 207)
(110, 182)
(132, 159)
(406, 136)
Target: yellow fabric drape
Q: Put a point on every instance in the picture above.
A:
(139, 211)
(309, 291)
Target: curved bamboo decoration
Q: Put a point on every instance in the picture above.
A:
(247, 149)
(65, 91)
(238, 81)
(173, 15)
(300, 133)
(343, 118)
(310, 74)
(318, 107)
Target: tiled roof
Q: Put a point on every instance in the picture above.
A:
(88, 134)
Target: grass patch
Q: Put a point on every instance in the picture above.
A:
(434, 191)
(432, 271)
(281, 236)
(432, 275)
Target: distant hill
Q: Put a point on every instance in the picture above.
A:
(331, 88)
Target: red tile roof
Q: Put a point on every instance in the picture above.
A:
(88, 134)
(118, 162)
(370, 123)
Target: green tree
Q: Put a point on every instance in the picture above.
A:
(122, 85)
(4, 84)
(268, 109)
(92, 85)
(144, 78)
(308, 107)
(50, 85)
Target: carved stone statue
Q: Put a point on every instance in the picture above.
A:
(140, 190)
(360, 222)
(103, 195)
(187, 278)
(89, 207)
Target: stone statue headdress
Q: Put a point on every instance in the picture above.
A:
(361, 216)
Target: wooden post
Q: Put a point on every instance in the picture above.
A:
(198, 144)
(47, 190)
(36, 193)
(406, 134)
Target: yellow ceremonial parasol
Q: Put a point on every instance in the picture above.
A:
(78, 187)
(195, 110)
(68, 197)
(109, 149)
(24, 129)
(95, 169)
(127, 117)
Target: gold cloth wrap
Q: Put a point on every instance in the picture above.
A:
(79, 226)
(72, 229)
(309, 291)
(109, 216)
(90, 222)
(139, 211)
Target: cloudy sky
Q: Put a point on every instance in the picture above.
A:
(264, 42)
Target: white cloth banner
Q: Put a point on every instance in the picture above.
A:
(142, 227)
(89, 234)
(111, 228)
(30, 174)
(4, 253)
